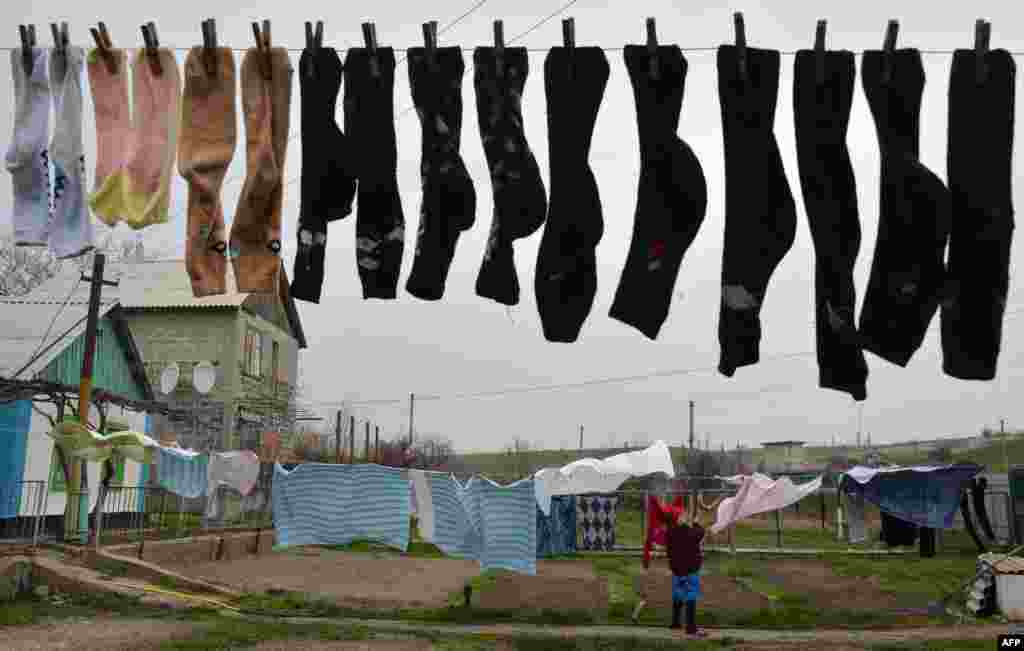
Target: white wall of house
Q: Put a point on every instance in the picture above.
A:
(38, 455)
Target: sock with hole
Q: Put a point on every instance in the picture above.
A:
(822, 115)
(255, 242)
(565, 279)
(979, 170)
(113, 134)
(908, 273)
(156, 107)
(449, 200)
(370, 124)
(27, 157)
(205, 148)
(327, 185)
(760, 214)
(71, 231)
(672, 194)
(520, 200)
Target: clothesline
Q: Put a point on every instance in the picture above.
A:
(708, 49)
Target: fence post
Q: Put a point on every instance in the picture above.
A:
(778, 528)
(823, 511)
(643, 519)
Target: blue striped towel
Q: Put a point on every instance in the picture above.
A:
(182, 472)
(331, 504)
(494, 525)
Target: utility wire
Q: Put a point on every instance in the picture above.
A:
(594, 382)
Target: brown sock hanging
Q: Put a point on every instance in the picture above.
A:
(205, 148)
(255, 243)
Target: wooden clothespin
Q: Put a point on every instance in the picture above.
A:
(741, 45)
(819, 52)
(652, 47)
(888, 48)
(310, 50)
(499, 47)
(263, 46)
(104, 47)
(982, 36)
(370, 39)
(152, 42)
(430, 43)
(569, 39)
(60, 39)
(26, 48)
(209, 27)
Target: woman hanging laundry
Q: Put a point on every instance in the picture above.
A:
(685, 543)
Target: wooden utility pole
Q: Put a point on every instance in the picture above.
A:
(376, 457)
(412, 405)
(581, 438)
(337, 438)
(367, 442)
(691, 425)
(352, 442)
(74, 477)
(1002, 435)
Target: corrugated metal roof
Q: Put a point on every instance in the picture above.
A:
(165, 284)
(25, 320)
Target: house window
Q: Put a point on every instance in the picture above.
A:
(274, 361)
(253, 353)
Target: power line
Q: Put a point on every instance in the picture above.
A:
(594, 382)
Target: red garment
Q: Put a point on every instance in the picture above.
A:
(656, 525)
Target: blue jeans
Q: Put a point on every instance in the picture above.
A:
(686, 588)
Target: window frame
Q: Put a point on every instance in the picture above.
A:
(252, 347)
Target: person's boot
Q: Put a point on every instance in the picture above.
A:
(677, 611)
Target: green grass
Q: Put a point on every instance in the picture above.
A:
(231, 634)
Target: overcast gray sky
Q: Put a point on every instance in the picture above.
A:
(383, 350)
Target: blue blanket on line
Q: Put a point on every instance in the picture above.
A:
(556, 533)
(925, 498)
(331, 504)
(482, 521)
(182, 473)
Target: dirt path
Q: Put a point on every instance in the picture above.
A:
(94, 634)
(833, 638)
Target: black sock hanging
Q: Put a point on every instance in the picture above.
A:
(449, 200)
(908, 271)
(979, 168)
(565, 280)
(327, 185)
(370, 126)
(520, 200)
(822, 114)
(760, 215)
(672, 194)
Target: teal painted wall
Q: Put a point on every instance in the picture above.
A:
(15, 419)
(111, 370)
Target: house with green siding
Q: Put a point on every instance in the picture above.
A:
(43, 338)
(253, 341)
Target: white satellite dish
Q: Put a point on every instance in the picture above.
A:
(169, 378)
(204, 376)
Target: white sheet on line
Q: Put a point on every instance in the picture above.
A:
(760, 494)
(600, 475)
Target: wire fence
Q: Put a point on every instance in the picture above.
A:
(22, 505)
(608, 522)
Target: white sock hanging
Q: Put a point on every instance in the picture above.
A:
(27, 158)
(71, 232)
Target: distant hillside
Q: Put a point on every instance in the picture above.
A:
(506, 466)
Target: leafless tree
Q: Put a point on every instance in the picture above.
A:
(433, 450)
(23, 268)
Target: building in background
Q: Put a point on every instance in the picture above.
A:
(253, 340)
(42, 338)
